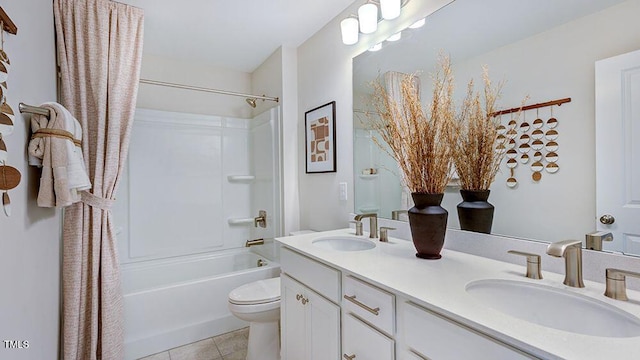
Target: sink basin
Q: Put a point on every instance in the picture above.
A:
(343, 243)
(555, 308)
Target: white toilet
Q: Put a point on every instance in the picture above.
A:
(259, 304)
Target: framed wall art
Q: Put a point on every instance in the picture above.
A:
(320, 138)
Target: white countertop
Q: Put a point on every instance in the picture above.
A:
(440, 286)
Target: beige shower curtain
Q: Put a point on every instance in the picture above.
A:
(99, 52)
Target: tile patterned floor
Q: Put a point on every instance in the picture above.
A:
(229, 346)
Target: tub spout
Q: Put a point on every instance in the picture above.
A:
(254, 242)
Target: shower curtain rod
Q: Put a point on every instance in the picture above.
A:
(215, 91)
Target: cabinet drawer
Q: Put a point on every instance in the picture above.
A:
(319, 277)
(364, 342)
(369, 303)
(436, 337)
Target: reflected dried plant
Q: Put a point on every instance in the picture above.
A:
(473, 138)
(416, 139)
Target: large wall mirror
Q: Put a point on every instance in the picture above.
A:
(545, 50)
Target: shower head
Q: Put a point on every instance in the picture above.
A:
(251, 102)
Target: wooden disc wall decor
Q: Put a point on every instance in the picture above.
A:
(6, 204)
(9, 177)
(3, 151)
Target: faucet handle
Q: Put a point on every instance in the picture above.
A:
(533, 263)
(384, 236)
(358, 226)
(616, 285)
(594, 240)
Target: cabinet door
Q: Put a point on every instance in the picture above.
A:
(361, 341)
(323, 324)
(292, 316)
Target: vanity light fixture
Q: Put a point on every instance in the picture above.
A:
(366, 21)
(418, 24)
(349, 29)
(368, 18)
(390, 9)
(376, 47)
(395, 37)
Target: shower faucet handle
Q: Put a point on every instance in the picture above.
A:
(261, 219)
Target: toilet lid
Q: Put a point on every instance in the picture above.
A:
(258, 292)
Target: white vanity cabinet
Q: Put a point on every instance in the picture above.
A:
(368, 325)
(436, 337)
(333, 312)
(310, 320)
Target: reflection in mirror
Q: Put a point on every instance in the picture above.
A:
(543, 49)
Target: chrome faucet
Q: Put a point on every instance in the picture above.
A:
(594, 240)
(373, 223)
(571, 250)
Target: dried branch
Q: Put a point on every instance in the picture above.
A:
(418, 140)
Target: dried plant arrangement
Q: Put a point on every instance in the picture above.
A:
(417, 139)
(474, 136)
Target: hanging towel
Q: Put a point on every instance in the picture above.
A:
(56, 146)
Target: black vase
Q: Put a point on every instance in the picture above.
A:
(428, 222)
(474, 212)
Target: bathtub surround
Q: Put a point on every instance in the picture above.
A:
(181, 242)
(100, 50)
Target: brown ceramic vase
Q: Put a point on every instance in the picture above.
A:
(428, 222)
(475, 212)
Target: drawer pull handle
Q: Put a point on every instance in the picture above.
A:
(352, 298)
(349, 357)
(305, 301)
(298, 297)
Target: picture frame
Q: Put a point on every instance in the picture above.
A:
(320, 139)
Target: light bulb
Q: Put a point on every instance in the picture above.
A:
(390, 9)
(349, 29)
(376, 47)
(417, 24)
(395, 37)
(368, 17)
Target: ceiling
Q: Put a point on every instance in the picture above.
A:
(234, 34)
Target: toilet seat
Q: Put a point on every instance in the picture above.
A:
(257, 293)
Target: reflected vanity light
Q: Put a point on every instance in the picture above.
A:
(376, 47)
(349, 29)
(395, 37)
(390, 9)
(368, 18)
(418, 24)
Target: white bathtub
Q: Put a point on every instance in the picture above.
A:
(177, 301)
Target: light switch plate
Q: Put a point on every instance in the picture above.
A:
(343, 191)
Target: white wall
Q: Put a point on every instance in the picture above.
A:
(194, 74)
(324, 75)
(278, 77)
(30, 238)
